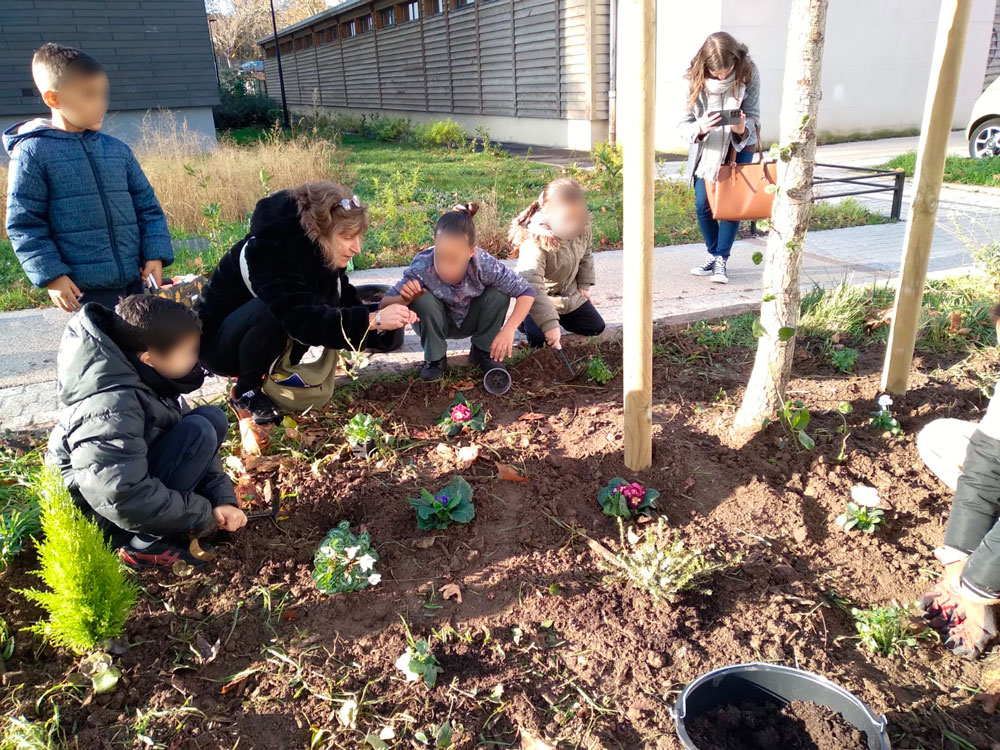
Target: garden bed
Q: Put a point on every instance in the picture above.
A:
(537, 641)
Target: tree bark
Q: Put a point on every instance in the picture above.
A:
(779, 312)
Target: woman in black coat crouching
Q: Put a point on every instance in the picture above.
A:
(287, 280)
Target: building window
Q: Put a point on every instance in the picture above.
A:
(413, 10)
(307, 42)
(331, 34)
(350, 29)
(463, 3)
(365, 22)
(434, 7)
(269, 52)
(387, 17)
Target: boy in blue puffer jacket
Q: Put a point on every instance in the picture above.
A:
(83, 218)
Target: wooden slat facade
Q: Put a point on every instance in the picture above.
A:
(521, 58)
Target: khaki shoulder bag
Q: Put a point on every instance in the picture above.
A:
(741, 191)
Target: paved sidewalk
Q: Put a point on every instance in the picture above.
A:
(29, 339)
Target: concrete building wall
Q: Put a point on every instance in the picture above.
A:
(876, 61)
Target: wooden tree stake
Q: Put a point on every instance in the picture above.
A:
(637, 120)
(939, 109)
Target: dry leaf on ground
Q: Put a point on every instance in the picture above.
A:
(467, 456)
(532, 741)
(509, 473)
(452, 591)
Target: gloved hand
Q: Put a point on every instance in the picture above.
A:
(943, 601)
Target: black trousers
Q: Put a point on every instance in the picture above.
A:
(584, 320)
(109, 297)
(245, 345)
(181, 458)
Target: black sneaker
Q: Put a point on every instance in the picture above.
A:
(705, 269)
(719, 276)
(433, 370)
(160, 554)
(483, 359)
(260, 406)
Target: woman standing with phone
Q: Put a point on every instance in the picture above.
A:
(721, 112)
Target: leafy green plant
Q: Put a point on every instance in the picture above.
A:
(90, 593)
(844, 358)
(452, 504)
(418, 662)
(442, 133)
(662, 563)
(385, 128)
(607, 178)
(794, 417)
(19, 733)
(627, 499)
(436, 735)
(345, 562)
(365, 431)
(862, 511)
(461, 416)
(886, 630)
(882, 419)
(598, 370)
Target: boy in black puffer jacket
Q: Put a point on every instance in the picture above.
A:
(131, 452)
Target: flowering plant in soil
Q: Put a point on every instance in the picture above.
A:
(452, 503)
(460, 416)
(418, 661)
(863, 511)
(627, 499)
(883, 418)
(345, 562)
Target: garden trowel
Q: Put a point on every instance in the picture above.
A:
(569, 365)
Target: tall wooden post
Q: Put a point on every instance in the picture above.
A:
(939, 109)
(637, 126)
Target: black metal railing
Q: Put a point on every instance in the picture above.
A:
(867, 181)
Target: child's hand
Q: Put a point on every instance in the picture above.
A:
(503, 344)
(411, 291)
(64, 294)
(553, 336)
(154, 267)
(396, 316)
(586, 295)
(229, 517)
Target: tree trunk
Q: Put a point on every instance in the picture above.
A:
(779, 312)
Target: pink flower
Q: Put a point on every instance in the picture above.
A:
(633, 493)
(460, 413)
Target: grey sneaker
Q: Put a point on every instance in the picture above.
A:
(720, 276)
(706, 268)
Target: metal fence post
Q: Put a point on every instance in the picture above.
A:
(897, 196)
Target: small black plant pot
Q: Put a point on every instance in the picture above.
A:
(364, 450)
(371, 295)
(772, 683)
(497, 381)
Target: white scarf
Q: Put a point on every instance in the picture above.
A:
(719, 95)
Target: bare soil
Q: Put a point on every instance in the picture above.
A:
(540, 641)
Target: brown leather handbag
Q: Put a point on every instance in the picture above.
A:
(741, 191)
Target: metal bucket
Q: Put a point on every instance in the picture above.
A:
(772, 683)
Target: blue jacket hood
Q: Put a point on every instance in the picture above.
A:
(33, 129)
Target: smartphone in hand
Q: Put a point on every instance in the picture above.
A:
(730, 117)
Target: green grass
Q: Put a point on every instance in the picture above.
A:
(961, 169)
(408, 186)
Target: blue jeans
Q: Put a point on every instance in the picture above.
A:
(181, 458)
(719, 235)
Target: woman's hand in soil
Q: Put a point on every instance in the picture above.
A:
(229, 517)
(503, 344)
(396, 316)
(708, 121)
(973, 628)
(553, 337)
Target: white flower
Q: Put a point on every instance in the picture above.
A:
(327, 550)
(374, 578)
(351, 552)
(403, 665)
(841, 519)
(632, 537)
(367, 562)
(348, 714)
(866, 496)
(885, 401)
(387, 733)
